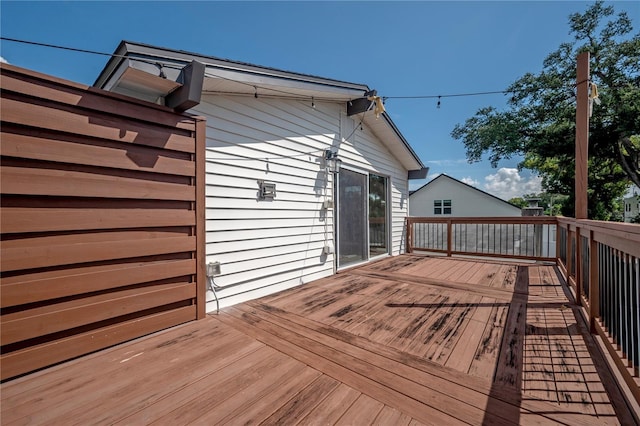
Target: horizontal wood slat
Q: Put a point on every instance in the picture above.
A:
(125, 156)
(36, 287)
(31, 181)
(101, 202)
(104, 127)
(32, 358)
(57, 317)
(627, 245)
(43, 87)
(39, 256)
(19, 220)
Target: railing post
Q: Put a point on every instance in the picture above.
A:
(409, 239)
(578, 260)
(569, 249)
(537, 240)
(594, 283)
(449, 239)
(558, 241)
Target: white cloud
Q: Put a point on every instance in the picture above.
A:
(470, 181)
(507, 183)
(3, 60)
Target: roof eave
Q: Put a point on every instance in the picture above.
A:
(223, 70)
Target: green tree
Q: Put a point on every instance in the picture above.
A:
(519, 201)
(539, 122)
(551, 203)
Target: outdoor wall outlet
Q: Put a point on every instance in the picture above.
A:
(327, 204)
(213, 269)
(327, 250)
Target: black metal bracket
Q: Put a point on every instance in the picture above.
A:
(357, 106)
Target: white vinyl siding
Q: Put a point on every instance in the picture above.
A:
(265, 246)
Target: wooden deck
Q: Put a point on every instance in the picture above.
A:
(405, 341)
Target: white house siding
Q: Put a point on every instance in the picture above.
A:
(465, 201)
(268, 246)
(631, 208)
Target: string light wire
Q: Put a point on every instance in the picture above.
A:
(93, 52)
(208, 73)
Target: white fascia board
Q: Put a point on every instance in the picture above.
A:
(234, 70)
(241, 81)
(239, 77)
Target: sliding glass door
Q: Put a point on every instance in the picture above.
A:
(362, 208)
(352, 217)
(378, 234)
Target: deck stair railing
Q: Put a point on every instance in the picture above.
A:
(600, 261)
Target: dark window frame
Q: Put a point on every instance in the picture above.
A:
(447, 206)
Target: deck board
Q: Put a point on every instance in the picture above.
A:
(408, 340)
(331, 409)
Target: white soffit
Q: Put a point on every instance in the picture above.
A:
(218, 80)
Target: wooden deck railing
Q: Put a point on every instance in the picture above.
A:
(512, 237)
(600, 260)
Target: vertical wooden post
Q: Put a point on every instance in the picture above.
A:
(200, 211)
(449, 239)
(558, 242)
(409, 240)
(582, 135)
(594, 283)
(578, 266)
(569, 248)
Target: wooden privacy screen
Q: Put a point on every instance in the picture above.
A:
(102, 219)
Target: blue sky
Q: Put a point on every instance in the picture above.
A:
(398, 48)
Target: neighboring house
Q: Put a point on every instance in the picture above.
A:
(304, 175)
(632, 205)
(445, 196)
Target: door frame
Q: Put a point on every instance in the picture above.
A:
(336, 225)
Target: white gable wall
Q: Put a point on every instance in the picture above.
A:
(631, 208)
(268, 246)
(465, 201)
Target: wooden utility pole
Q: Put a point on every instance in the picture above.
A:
(582, 135)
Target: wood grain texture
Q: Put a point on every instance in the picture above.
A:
(99, 215)
(39, 286)
(39, 145)
(38, 356)
(18, 257)
(51, 182)
(93, 124)
(21, 220)
(40, 86)
(276, 361)
(56, 317)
